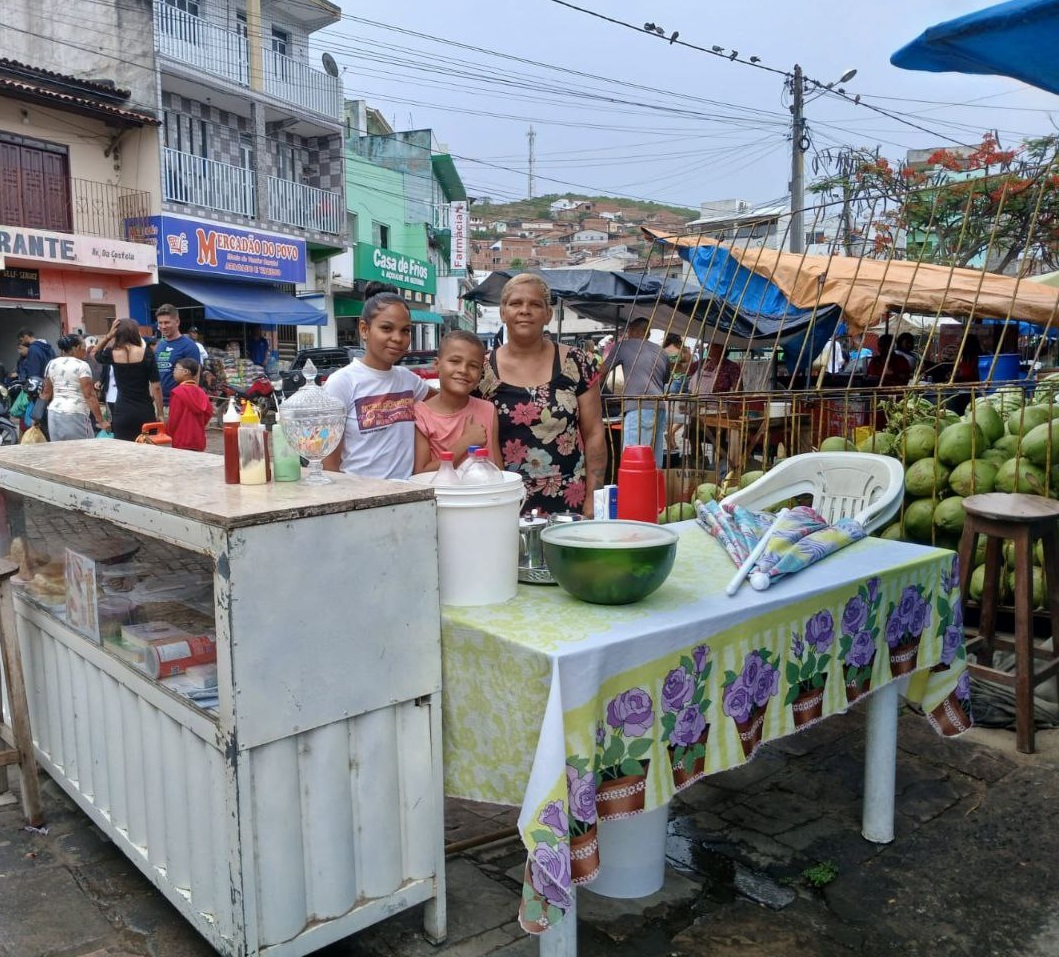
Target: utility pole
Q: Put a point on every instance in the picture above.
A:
(532, 137)
(797, 232)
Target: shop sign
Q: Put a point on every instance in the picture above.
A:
(72, 250)
(458, 220)
(385, 265)
(19, 283)
(215, 249)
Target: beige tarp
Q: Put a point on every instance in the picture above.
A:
(867, 289)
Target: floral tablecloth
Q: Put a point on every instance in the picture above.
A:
(581, 712)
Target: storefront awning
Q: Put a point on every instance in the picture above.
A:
(419, 315)
(247, 302)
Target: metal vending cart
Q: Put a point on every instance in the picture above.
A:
(281, 785)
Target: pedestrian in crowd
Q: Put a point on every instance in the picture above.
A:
(453, 420)
(645, 367)
(547, 400)
(20, 365)
(716, 375)
(887, 366)
(172, 345)
(679, 356)
(905, 346)
(190, 409)
(70, 393)
(193, 334)
(379, 396)
(259, 348)
(39, 353)
(831, 359)
(134, 392)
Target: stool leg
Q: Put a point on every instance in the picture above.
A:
(968, 546)
(1024, 664)
(1050, 545)
(990, 597)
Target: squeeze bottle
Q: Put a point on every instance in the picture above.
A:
(641, 485)
(252, 470)
(231, 443)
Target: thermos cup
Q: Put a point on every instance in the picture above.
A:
(641, 485)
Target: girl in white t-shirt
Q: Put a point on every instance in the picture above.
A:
(380, 397)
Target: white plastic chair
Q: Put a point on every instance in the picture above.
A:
(859, 485)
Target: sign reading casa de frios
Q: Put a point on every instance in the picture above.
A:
(385, 265)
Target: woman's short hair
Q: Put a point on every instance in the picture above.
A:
(525, 279)
(69, 342)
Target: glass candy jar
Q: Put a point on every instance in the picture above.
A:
(313, 423)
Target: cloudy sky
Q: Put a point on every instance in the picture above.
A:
(618, 111)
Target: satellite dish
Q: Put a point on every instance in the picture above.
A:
(330, 67)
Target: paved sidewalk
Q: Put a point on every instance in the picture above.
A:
(970, 872)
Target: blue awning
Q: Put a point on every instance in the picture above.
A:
(421, 315)
(1015, 39)
(247, 302)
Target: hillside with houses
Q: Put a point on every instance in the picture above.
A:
(551, 232)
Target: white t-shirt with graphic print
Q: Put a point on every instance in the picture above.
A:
(379, 440)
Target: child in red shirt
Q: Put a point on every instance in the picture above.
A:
(190, 409)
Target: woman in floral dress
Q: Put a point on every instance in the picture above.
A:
(547, 400)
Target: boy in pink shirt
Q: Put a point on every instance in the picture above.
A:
(453, 420)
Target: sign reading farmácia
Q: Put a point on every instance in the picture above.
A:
(385, 265)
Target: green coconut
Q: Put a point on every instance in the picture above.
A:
(678, 512)
(1018, 475)
(973, 477)
(977, 583)
(837, 443)
(749, 478)
(707, 492)
(1037, 586)
(916, 442)
(927, 477)
(880, 442)
(892, 532)
(994, 456)
(1022, 420)
(949, 518)
(961, 442)
(986, 417)
(1041, 439)
(1008, 444)
(919, 520)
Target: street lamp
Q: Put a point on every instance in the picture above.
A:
(799, 144)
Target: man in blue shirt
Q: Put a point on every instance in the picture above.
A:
(259, 348)
(39, 353)
(170, 347)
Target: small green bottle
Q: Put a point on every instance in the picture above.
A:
(286, 466)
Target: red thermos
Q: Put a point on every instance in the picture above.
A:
(641, 485)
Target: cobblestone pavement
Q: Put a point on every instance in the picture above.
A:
(746, 851)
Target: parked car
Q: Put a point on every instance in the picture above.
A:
(422, 363)
(327, 359)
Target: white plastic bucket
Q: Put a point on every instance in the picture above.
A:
(632, 855)
(478, 540)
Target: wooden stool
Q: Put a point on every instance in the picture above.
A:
(16, 735)
(1023, 519)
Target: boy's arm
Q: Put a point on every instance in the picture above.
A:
(176, 409)
(473, 434)
(424, 461)
(494, 441)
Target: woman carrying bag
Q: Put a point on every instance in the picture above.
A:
(70, 393)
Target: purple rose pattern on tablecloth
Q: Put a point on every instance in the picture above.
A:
(689, 726)
(860, 633)
(581, 786)
(629, 717)
(554, 816)
(677, 690)
(550, 873)
(906, 621)
(737, 701)
(806, 669)
(747, 693)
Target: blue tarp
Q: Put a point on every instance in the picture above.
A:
(247, 302)
(1016, 39)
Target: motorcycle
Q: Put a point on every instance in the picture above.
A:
(261, 393)
(8, 428)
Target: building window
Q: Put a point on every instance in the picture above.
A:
(287, 163)
(34, 184)
(187, 6)
(380, 235)
(280, 53)
(351, 227)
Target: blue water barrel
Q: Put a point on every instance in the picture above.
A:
(1006, 369)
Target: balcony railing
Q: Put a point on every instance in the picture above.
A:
(223, 53)
(298, 83)
(305, 206)
(100, 209)
(207, 183)
(201, 44)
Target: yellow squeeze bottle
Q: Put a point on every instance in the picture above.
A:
(251, 448)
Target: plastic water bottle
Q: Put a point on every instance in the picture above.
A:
(446, 474)
(482, 470)
(468, 459)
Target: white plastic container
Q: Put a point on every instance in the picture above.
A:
(632, 855)
(478, 540)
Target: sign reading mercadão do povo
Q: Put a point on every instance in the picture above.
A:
(386, 265)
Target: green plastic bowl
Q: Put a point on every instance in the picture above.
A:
(609, 563)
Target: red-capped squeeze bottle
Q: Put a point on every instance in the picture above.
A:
(641, 485)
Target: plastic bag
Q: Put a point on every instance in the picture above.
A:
(31, 435)
(104, 434)
(20, 406)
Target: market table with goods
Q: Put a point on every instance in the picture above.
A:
(584, 713)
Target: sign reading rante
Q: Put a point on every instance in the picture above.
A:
(19, 244)
(220, 250)
(385, 265)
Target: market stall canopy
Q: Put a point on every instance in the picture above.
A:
(1015, 39)
(672, 305)
(867, 289)
(247, 302)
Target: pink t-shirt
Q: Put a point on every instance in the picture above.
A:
(442, 430)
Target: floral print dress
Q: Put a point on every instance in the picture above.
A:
(539, 436)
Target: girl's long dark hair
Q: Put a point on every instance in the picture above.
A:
(379, 295)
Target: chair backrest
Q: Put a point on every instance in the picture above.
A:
(858, 485)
